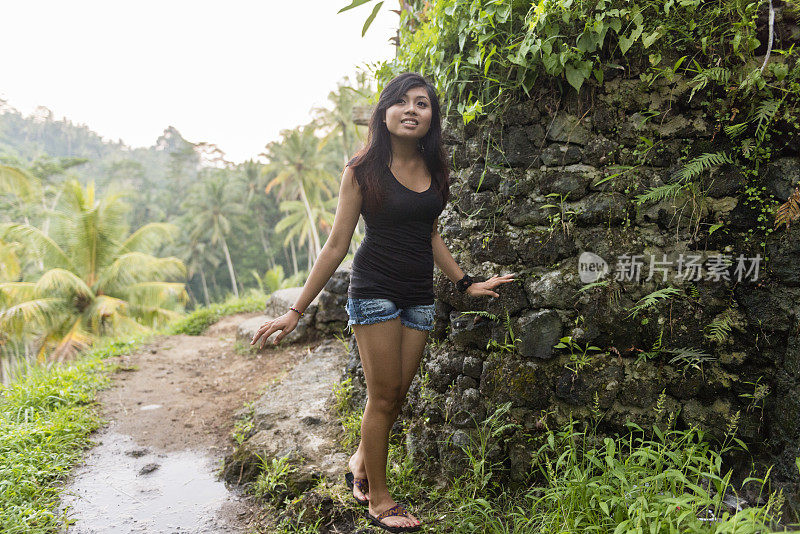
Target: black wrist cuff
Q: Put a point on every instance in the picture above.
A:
(464, 283)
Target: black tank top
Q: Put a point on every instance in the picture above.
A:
(395, 259)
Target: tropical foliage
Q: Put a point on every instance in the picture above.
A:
(160, 229)
(94, 278)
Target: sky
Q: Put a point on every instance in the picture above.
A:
(232, 73)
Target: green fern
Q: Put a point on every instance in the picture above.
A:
(764, 115)
(654, 351)
(719, 329)
(590, 285)
(735, 130)
(720, 75)
(702, 163)
(481, 313)
(694, 292)
(657, 194)
(652, 299)
(689, 358)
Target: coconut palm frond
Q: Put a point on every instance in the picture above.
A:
(76, 340)
(42, 245)
(33, 312)
(14, 292)
(18, 182)
(10, 267)
(60, 280)
(156, 293)
(148, 237)
(106, 306)
(135, 267)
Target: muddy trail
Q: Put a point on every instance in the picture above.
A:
(170, 413)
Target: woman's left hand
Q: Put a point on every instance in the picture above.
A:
(478, 289)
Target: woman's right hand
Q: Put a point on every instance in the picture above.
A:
(286, 323)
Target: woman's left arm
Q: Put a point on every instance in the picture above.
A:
(445, 261)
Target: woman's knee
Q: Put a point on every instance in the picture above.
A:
(388, 401)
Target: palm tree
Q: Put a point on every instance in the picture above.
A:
(213, 208)
(18, 182)
(10, 267)
(254, 182)
(302, 167)
(340, 118)
(97, 280)
(275, 279)
(196, 255)
(296, 223)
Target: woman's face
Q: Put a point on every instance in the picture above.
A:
(410, 116)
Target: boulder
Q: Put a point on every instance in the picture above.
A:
(566, 128)
(292, 419)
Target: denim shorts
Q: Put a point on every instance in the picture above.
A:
(375, 310)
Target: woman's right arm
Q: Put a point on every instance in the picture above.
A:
(329, 259)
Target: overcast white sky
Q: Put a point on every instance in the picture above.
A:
(232, 72)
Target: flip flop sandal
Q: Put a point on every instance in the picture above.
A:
(361, 484)
(396, 510)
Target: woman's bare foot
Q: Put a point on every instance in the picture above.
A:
(375, 509)
(356, 464)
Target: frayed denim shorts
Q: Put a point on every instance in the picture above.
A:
(375, 310)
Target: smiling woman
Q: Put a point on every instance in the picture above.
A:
(400, 183)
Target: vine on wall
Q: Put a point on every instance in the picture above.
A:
(484, 55)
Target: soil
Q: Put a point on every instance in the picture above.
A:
(172, 404)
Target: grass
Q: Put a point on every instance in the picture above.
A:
(580, 481)
(45, 420)
(200, 319)
(272, 482)
(349, 414)
(46, 416)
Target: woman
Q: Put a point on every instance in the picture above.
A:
(400, 182)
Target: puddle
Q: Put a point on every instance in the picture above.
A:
(125, 488)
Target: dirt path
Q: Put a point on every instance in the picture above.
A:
(170, 416)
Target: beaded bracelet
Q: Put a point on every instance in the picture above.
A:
(298, 311)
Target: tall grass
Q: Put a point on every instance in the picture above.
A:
(582, 482)
(45, 420)
(673, 481)
(200, 319)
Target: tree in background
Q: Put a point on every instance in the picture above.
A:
(157, 180)
(339, 119)
(304, 172)
(260, 207)
(212, 208)
(97, 280)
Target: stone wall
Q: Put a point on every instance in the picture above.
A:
(567, 152)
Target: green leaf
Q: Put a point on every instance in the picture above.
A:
(355, 3)
(625, 43)
(575, 77)
(780, 70)
(371, 18)
(550, 61)
(649, 39)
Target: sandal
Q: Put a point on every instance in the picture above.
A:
(360, 483)
(396, 510)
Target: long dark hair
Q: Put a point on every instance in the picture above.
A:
(370, 162)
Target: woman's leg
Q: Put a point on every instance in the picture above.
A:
(412, 346)
(379, 346)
